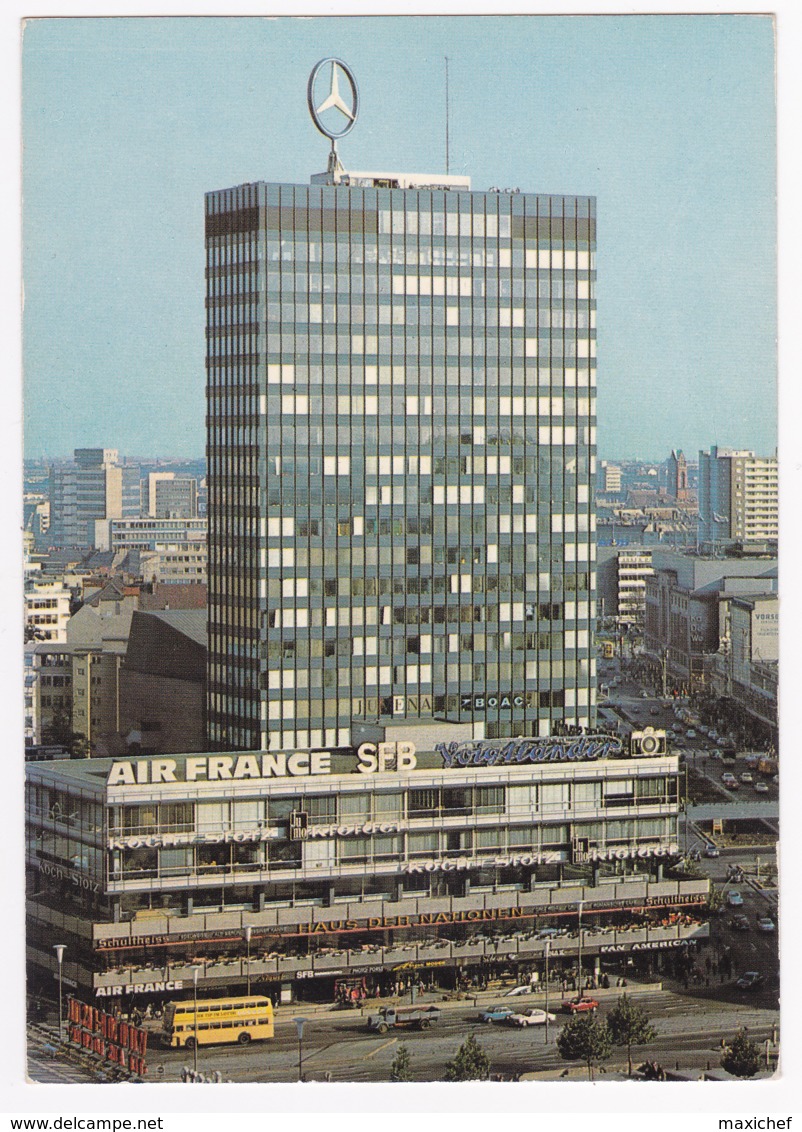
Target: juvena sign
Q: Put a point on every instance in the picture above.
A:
(513, 752)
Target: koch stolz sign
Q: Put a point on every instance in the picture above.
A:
(515, 752)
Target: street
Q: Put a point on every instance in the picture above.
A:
(338, 1046)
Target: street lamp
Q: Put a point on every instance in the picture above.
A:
(195, 973)
(579, 906)
(299, 1026)
(59, 949)
(546, 1029)
(248, 934)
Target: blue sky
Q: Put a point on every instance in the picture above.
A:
(668, 121)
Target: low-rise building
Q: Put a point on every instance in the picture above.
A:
(163, 682)
(166, 549)
(684, 601)
(288, 871)
(745, 670)
(47, 608)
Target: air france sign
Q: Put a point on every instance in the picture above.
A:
(371, 758)
(515, 752)
(219, 768)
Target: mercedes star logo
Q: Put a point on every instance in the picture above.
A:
(332, 105)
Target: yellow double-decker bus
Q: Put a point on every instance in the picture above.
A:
(243, 1020)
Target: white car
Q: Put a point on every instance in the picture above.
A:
(525, 988)
(532, 1017)
(747, 778)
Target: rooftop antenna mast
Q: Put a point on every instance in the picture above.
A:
(446, 113)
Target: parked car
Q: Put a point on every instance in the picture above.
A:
(690, 733)
(739, 923)
(749, 980)
(765, 924)
(524, 988)
(532, 1017)
(580, 1006)
(746, 778)
(761, 788)
(496, 1014)
(734, 899)
(722, 742)
(644, 694)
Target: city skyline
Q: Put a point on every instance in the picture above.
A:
(684, 150)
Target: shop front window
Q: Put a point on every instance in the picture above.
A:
(140, 863)
(212, 858)
(284, 854)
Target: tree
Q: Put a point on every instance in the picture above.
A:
(629, 1026)
(715, 900)
(586, 1039)
(400, 1070)
(741, 1057)
(59, 732)
(470, 1063)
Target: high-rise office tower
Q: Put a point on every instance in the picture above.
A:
(401, 452)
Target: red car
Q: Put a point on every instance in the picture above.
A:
(580, 1006)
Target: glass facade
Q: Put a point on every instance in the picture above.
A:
(401, 452)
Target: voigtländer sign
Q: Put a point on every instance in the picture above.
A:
(514, 752)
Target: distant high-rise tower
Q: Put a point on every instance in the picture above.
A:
(401, 451)
(95, 487)
(738, 496)
(168, 496)
(612, 478)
